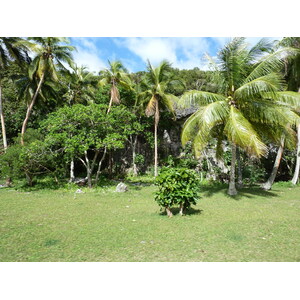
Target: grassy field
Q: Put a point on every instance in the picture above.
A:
(102, 225)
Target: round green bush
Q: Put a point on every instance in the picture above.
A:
(177, 186)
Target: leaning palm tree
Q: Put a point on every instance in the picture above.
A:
(11, 49)
(156, 82)
(50, 55)
(293, 79)
(249, 81)
(113, 76)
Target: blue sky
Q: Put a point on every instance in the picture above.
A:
(182, 52)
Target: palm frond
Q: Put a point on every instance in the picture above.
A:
(240, 132)
(198, 98)
(270, 83)
(273, 62)
(199, 125)
(32, 68)
(114, 94)
(151, 107)
(291, 99)
(268, 112)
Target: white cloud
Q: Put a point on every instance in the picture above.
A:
(183, 53)
(87, 54)
(154, 49)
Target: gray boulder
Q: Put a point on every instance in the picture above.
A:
(121, 188)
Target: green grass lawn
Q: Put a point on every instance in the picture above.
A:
(102, 225)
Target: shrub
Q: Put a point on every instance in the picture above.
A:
(177, 186)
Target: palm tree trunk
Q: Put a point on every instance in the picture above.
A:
(268, 184)
(232, 189)
(109, 106)
(133, 145)
(29, 109)
(239, 169)
(156, 119)
(2, 122)
(297, 168)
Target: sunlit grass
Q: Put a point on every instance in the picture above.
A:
(102, 225)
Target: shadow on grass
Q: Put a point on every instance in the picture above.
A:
(188, 211)
(246, 192)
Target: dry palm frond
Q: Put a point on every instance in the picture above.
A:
(151, 107)
(114, 95)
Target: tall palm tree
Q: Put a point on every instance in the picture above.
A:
(81, 85)
(293, 79)
(156, 82)
(248, 84)
(50, 55)
(11, 49)
(113, 76)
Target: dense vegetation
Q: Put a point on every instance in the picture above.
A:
(237, 123)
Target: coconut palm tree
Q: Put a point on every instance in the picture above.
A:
(156, 82)
(293, 79)
(81, 85)
(113, 76)
(11, 49)
(50, 55)
(292, 75)
(249, 81)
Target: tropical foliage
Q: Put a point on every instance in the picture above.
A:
(236, 122)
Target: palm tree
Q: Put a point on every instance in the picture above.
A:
(113, 76)
(283, 136)
(11, 49)
(293, 79)
(81, 85)
(292, 75)
(50, 55)
(248, 84)
(156, 82)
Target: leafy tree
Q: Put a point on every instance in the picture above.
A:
(155, 84)
(244, 106)
(88, 131)
(50, 55)
(34, 158)
(177, 186)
